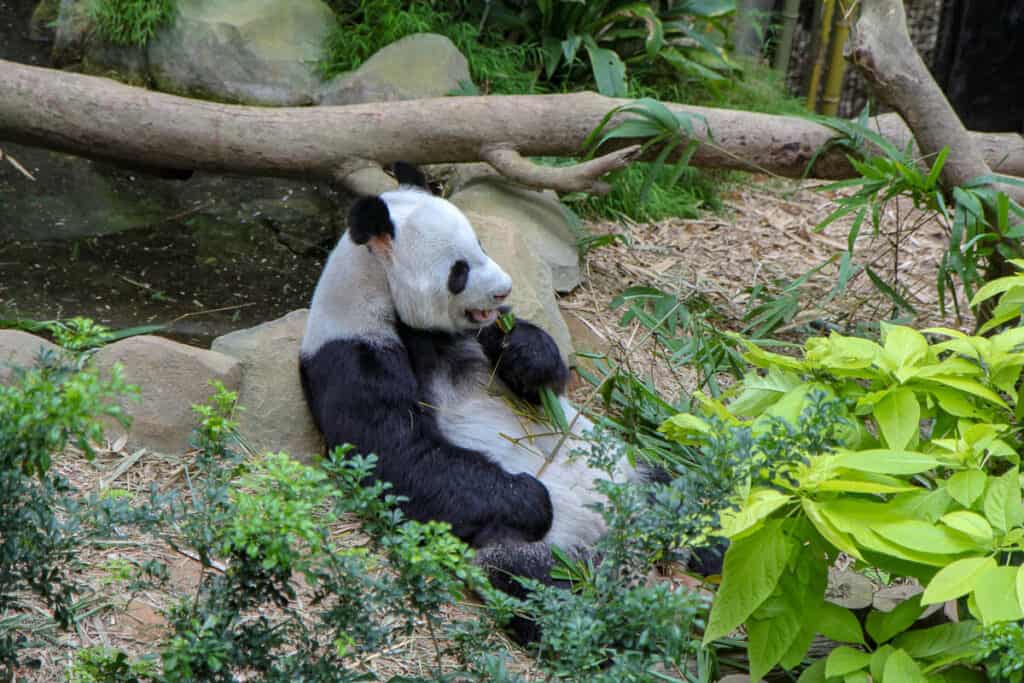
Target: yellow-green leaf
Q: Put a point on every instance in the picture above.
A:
(759, 504)
(927, 538)
(900, 668)
(860, 486)
(970, 386)
(996, 595)
(1003, 501)
(752, 568)
(829, 531)
(883, 626)
(966, 487)
(844, 660)
(898, 416)
(839, 624)
(1020, 586)
(902, 346)
(684, 428)
(970, 523)
(956, 579)
(887, 461)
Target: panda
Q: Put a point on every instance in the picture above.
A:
(403, 357)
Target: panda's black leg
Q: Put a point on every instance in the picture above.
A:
(526, 359)
(504, 562)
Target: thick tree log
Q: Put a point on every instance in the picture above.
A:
(104, 119)
(882, 50)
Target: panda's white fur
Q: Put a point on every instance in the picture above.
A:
(391, 294)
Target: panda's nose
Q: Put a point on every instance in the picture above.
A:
(504, 295)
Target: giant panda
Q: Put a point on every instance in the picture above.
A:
(403, 357)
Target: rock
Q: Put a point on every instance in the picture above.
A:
(849, 589)
(261, 52)
(584, 340)
(538, 216)
(20, 349)
(275, 417)
(417, 66)
(246, 51)
(171, 378)
(532, 296)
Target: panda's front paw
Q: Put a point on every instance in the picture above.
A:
(527, 359)
(524, 516)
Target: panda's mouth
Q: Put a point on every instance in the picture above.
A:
(482, 316)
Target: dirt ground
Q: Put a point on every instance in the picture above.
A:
(763, 235)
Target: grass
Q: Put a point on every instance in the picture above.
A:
(130, 22)
(365, 26)
(692, 193)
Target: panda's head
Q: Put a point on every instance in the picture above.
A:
(439, 276)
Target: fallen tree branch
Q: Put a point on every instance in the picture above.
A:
(881, 48)
(103, 119)
(581, 177)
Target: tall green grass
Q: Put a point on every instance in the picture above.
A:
(130, 22)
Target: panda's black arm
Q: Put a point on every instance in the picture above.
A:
(368, 396)
(526, 359)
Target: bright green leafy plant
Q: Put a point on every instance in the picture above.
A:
(900, 454)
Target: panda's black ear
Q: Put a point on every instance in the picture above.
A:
(407, 174)
(369, 218)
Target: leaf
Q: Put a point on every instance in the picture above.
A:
(759, 504)
(956, 579)
(609, 71)
(996, 596)
(966, 487)
(926, 538)
(1003, 501)
(884, 461)
(903, 346)
(839, 624)
(1020, 586)
(900, 668)
(971, 524)
(883, 626)
(938, 640)
(844, 660)
(829, 531)
(553, 409)
(815, 673)
(760, 393)
(899, 417)
(753, 566)
(970, 386)
(878, 660)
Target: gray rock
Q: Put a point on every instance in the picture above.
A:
(20, 349)
(261, 52)
(171, 378)
(245, 51)
(417, 66)
(538, 216)
(533, 297)
(275, 417)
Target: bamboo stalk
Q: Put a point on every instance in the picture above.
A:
(828, 7)
(837, 62)
(790, 13)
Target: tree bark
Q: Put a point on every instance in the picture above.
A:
(104, 119)
(882, 50)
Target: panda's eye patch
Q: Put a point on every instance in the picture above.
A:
(458, 276)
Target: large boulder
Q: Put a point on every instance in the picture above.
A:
(20, 349)
(275, 417)
(417, 66)
(171, 378)
(538, 216)
(261, 52)
(245, 51)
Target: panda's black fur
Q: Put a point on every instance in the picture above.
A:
(403, 358)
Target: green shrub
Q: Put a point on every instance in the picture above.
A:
(46, 409)
(900, 455)
(130, 22)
